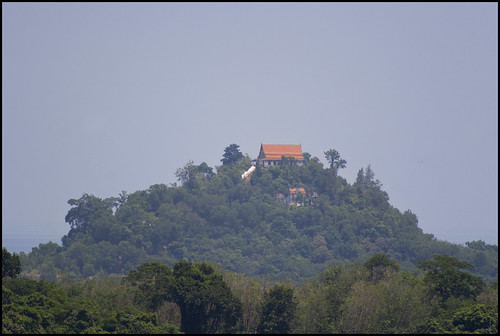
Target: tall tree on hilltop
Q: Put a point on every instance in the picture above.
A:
(86, 208)
(231, 155)
(366, 178)
(335, 161)
(187, 174)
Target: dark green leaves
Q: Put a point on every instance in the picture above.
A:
(11, 265)
(278, 311)
(205, 301)
(231, 155)
(446, 279)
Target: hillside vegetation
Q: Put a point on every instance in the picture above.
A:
(286, 249)
(199, 298)
(240, 224)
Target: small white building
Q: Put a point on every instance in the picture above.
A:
(297, 196)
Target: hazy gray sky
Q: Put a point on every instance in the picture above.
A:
(99, 98)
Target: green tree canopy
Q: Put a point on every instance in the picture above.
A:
(187, 175)
(86, 208)
(11, 264)
(231, 154)
(154, 280)
(379, 264)
(207, 304)
(445, 277)
(366, 178)
(478, 318)
(334, 159)
(278, 310)
(476, 245)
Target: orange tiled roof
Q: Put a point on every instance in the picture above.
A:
(295, 190)
(274, 152)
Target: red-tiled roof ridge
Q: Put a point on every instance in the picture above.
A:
(294, 191)
(274, 152)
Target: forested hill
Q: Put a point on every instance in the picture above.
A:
(263, 225)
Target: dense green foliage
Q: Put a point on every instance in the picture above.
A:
(221, 218)
(341, 247)
(11, 264)
(445, 278)
(231, 154)
(278, 311)
(69, 307)
(200, 298)
(206, 304)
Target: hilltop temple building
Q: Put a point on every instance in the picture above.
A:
(273, 155)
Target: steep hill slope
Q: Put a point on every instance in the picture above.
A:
(256, 226)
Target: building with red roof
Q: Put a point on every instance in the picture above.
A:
(273, 155)
(297, 196)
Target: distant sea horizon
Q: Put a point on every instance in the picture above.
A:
(24, 242)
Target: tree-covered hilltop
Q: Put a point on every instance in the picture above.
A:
(286, 221)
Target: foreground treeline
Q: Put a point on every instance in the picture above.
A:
(217, 216)
(441, 296)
